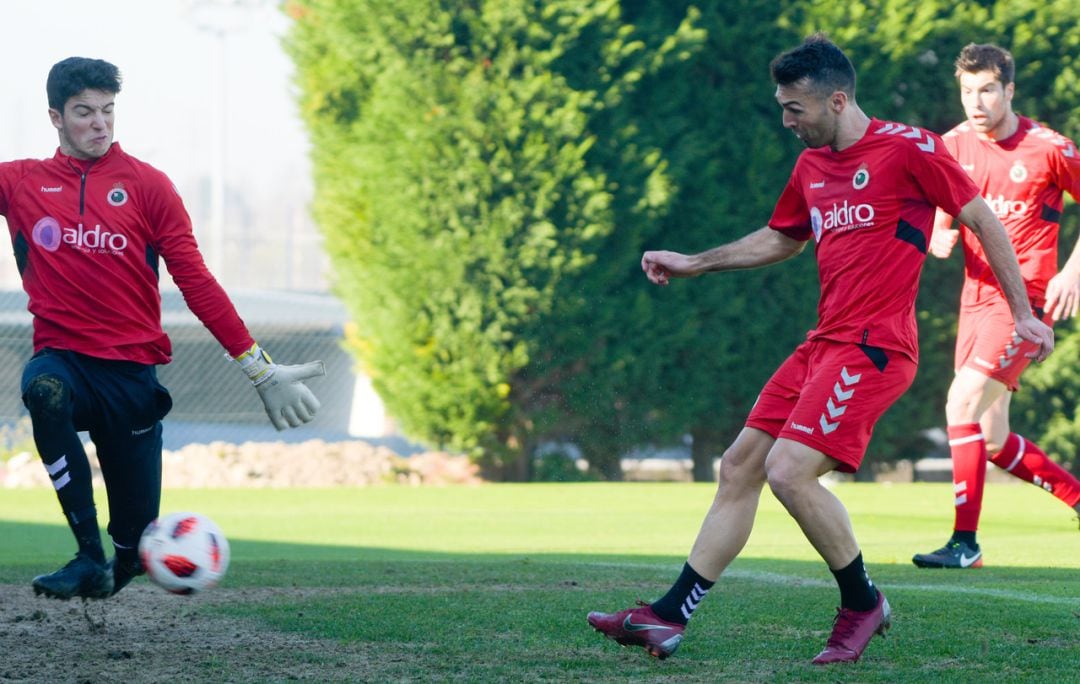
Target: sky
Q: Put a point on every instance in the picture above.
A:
(170, 59)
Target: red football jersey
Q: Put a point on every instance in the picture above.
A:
(870, 209)
(1023, 178)
(87, 237)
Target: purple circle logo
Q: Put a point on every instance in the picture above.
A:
(47, 233)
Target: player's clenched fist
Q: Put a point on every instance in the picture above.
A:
(942, 241)
(659, 266)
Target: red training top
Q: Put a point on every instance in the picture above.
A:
(87, 236)
(1023, 179)
(870, 208)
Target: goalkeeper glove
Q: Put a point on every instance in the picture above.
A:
(288, 401)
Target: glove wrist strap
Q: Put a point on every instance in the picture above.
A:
(256, 364)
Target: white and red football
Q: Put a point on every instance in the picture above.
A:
(184, 553)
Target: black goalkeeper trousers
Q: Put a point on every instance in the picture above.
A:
(120, 404)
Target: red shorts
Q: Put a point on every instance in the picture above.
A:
(986, 341)
(829, 395)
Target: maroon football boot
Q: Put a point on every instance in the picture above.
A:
(640, 627)
(853, 630)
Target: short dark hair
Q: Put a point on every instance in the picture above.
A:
(73, 75)
(986, 57)
(819, 61)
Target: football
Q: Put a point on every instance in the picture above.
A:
(184, 553)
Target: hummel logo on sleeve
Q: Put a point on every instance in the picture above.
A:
(926, 145)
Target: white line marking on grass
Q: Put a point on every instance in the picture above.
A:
(994, 593)
(793, 580)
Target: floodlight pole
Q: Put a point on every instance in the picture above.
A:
(218, 123)
(219, 18)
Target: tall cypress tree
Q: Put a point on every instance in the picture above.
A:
(463, 210)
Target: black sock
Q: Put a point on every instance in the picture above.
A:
(65, 460)
(857, 592)
(965, 537)
(70, 475)
(682, 599)
(84, 525)
(127, 559)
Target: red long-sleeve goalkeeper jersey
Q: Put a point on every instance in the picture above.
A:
(88, 238)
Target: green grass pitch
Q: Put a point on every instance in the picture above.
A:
(492, 583)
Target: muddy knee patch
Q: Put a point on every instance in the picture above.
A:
(47, 397)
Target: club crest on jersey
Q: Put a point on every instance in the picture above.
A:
(1018, 173)
(861, 178)
(118, 196)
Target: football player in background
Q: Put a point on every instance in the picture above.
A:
(1023, 170)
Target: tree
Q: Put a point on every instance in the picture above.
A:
(462, 210)
(488, 173)
(904, 54)
(705, 348)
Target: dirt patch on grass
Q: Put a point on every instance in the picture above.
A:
(144, 634)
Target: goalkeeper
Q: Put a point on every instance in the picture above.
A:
(89, 227)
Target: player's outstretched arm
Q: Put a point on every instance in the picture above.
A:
(288, 401)
(760, 248)
(982, 221)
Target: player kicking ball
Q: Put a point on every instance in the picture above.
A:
(865, 191)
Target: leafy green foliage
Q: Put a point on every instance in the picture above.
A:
(465, 215)
(488, 174)
(904, 55)
(715, 341)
